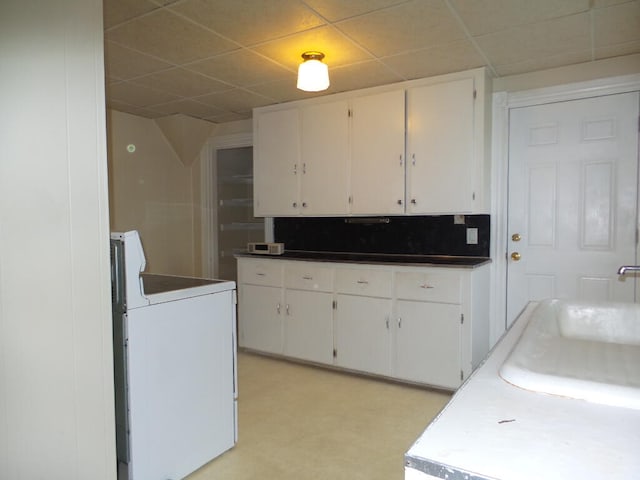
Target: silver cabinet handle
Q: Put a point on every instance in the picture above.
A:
(413, 201)
(362, 282)
(424, 285)
(278, 308)
(399, 322)
(304, 204)
(307, 277)
(400, 159)
(295, 204)
(413, 158)
(287, 309)
(399, 202)
(387, 322)
(260, 274)
(295, 168)
(304, 168)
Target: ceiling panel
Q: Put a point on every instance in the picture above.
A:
(138, 96)
(218, 59)
(338, 49)
(335, 10)
(441, 59)
(169, 37)
(241, 67)
(123, 63)
(617, 24)
(488, 16)
(251, 21)
(409, 26)
(181, 82)
(540, 40)
(118, 11)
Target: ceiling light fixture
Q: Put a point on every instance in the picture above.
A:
(313, 75)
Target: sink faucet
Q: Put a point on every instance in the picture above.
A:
(632, 268)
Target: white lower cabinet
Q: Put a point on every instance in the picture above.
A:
(362, 333)
(427, 325)
(308, 329)
(260, 309)
(428, 343)
(308, 311)
(260, 302)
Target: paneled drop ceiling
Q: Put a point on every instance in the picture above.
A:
(217, 59)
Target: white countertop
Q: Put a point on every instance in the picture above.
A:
(493, 430)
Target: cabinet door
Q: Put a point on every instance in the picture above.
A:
(440, 147)
(428, 343)
(260, 319)
(362, 333)
(325, 159)
(377, 154)
(308, 325)
(276, 163)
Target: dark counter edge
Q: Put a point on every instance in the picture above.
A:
(374, 258)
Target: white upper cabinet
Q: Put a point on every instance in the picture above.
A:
(419, 147)
(440, 150)
(377, 153)
(276, 168)
(325, 159)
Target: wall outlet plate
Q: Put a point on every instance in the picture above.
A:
(472, 236)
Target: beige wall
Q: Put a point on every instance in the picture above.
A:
(152, 191)
(56, 360)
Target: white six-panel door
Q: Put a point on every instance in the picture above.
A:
(572, 200)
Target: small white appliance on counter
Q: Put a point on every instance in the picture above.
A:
(175, 367)
(265, 248)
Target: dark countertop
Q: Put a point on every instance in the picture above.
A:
(377, 258)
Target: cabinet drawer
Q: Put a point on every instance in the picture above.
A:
(260, 272)
(373, 283)
(442, 287)
(307, 276)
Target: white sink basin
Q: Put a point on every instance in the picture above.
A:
(581, 350)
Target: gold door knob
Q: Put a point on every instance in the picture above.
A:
(516, 237)
(515, 256)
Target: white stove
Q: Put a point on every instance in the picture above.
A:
(175, 367)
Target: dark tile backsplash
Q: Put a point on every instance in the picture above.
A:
(409, 235)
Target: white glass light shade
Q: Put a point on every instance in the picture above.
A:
(313, 75)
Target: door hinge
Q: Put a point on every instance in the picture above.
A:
(462, 319)
(335, 304)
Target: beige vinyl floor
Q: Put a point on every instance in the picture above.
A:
(301, 422)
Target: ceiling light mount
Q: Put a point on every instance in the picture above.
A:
(313, 75)
(312, 56)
